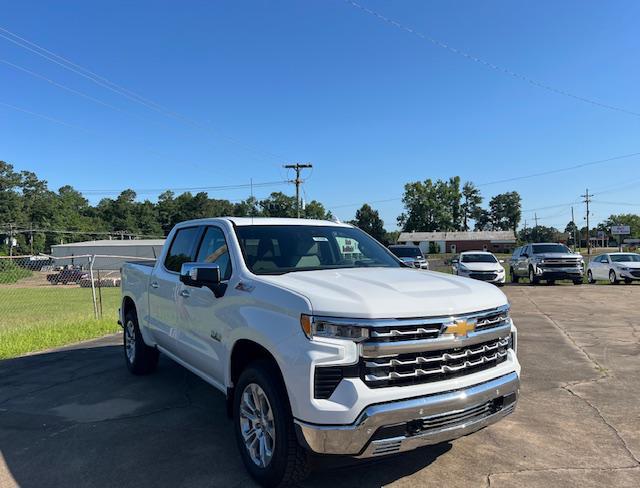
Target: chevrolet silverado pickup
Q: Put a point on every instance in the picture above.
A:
(318, 351)
(546, 261)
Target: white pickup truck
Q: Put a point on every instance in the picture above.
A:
(321, 340)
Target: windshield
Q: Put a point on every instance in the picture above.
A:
(478, 258)
(279, 249)
(547, 248)
(625, 258)
(406, 252)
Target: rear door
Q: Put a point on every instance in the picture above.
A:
(166, 305)
(207, 312)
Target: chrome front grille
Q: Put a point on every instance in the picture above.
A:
(429, 366)
(398, 330)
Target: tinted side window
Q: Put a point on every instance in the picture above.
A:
(181, 250)
(213, 249)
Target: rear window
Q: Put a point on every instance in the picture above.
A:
(182, 249)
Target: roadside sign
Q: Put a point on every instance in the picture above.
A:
(620, 229)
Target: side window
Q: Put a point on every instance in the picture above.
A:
(213, 249)
(181, 250)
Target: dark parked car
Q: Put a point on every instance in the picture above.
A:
(67, 275)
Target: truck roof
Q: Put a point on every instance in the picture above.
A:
(245, 221)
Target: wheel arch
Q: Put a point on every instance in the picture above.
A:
(243, 353)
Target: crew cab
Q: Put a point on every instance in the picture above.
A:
(319, 351)
(546, 261)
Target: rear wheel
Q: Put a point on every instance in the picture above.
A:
(514, 277)
(140, 358)
(590, 277)
(613, 279)
(264, 428)
(533, 279)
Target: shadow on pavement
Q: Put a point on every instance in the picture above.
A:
(76, 417)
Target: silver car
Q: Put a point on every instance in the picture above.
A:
(615, 267)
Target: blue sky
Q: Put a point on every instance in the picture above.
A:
(252, 85)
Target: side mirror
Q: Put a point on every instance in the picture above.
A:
(200, 274)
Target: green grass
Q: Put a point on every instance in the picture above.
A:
(33, 319)
(10, 273)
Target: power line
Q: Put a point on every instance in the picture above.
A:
(488, 64)
(185, 189)
(129, 94)
(517, 178)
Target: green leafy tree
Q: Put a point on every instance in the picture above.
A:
(471, 204)
(506, 211)
(369, 221)
(431, 206)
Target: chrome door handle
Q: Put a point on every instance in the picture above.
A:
(185, 293)
(154, 284)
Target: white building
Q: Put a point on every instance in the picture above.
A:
(117, 252)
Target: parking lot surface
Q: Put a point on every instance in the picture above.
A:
(76, 417)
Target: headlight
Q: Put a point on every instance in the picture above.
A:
(623, 269)
(332, 328)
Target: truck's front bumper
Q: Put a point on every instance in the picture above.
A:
(407, 424)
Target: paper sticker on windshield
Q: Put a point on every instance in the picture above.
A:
(320, 239)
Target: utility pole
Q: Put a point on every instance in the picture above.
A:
(10, 240)
(587, 200)
(298, 167)
(575, 232)
(535, 229)
(526, 238)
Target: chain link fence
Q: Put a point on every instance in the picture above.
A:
(48, 301)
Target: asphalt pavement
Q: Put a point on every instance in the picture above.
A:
(76, 417)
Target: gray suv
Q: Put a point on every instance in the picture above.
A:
(546, 261)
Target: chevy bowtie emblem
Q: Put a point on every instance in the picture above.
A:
(460, 328)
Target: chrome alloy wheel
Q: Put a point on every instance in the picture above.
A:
(257, 425)
(130, 341)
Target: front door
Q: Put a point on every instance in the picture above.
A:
(207, 321)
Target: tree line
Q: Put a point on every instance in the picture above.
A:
(38, 217)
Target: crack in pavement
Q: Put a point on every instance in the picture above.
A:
(604, 377)
(559, 469)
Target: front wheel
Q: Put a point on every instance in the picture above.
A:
(264, 428)
(613, 279)
(590, 277)
(533, 279)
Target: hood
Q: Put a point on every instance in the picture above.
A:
(483, 266)
(629, 264)
(389, 292)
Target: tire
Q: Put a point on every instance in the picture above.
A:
(578, 281)
(140, 358)
(612, 277)
(551, 282)
(590, 278)
(514, 277)
(533, 280)
(628, 281)
(288, 463)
